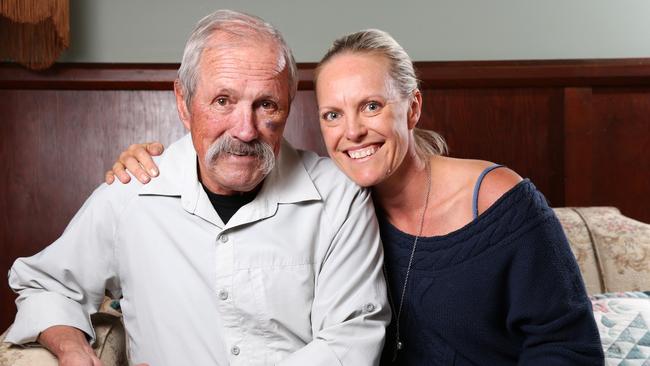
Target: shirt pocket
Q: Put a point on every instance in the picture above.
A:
(281, 298)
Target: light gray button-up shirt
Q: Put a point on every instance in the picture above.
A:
(294, 278)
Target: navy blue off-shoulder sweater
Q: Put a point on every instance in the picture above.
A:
(503, 290)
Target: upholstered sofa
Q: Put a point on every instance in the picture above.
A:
(613, 252)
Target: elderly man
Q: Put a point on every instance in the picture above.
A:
(244, 251)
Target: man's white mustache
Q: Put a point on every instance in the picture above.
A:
(228, 145)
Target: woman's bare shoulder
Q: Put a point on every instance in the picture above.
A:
(494, 185)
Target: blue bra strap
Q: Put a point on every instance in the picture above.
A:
(478, 186)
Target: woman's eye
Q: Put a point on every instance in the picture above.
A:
(372, 107)
(222, 101)
(330, 116)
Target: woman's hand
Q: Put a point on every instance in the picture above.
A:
(137, 160)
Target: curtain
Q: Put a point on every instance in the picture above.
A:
(34, 32)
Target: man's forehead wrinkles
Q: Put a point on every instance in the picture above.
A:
(239, 75)
(242, 53)
(257, 72)
(257, 66)
(244, 69)
(237, 82)
(240, 65)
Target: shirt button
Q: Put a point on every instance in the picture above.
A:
(370, 307)
(234, 350)
(223, 294)
(223, 238)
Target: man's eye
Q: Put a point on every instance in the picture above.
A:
(330, 116)
(222, 101)
(267, 104)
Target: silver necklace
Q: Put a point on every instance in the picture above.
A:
(398, 342)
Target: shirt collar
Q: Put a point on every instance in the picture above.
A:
(288, 182)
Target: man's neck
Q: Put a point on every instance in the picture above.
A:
(227, 205)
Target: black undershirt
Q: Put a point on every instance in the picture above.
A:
(226, 206)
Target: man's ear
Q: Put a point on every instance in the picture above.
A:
(181, 106)
(415, 109)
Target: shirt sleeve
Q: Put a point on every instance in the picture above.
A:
(548, 304)
(66, 282)
(350, 311)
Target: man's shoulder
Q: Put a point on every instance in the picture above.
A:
(175, 165)
(120, 198)
(171, 163)
(323, 169)
(117, 194)
(331, 183)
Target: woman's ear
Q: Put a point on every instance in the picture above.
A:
(181, 106)
(415, 109)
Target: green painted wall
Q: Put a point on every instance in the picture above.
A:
(156, 30)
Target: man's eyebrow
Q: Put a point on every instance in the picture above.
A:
(267, 96)
(226, 91)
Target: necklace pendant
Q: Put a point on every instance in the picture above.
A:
(398, 347)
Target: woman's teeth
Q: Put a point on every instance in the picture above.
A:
(362, 153)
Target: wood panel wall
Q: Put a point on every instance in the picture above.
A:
(579, 129)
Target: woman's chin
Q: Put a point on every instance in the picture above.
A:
(366, 180)
(363, 173)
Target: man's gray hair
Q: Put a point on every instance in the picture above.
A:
(401, 70)
(238, 25)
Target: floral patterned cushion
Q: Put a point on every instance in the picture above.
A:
(580, 241)
(18, 356)
(613, 251)
(624, 324)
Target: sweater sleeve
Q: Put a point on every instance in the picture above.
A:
(548, 305)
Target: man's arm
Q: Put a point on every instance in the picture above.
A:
(350, 311)
(69, 345)
(65, 283)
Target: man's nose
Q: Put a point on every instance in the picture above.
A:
(245, 128)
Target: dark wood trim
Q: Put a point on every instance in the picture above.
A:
(578, 128)
(447, 74)
(538, 73)
(101, 76)
(90, 77)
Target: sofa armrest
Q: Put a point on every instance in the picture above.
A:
(612, 250)
(109, 347)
